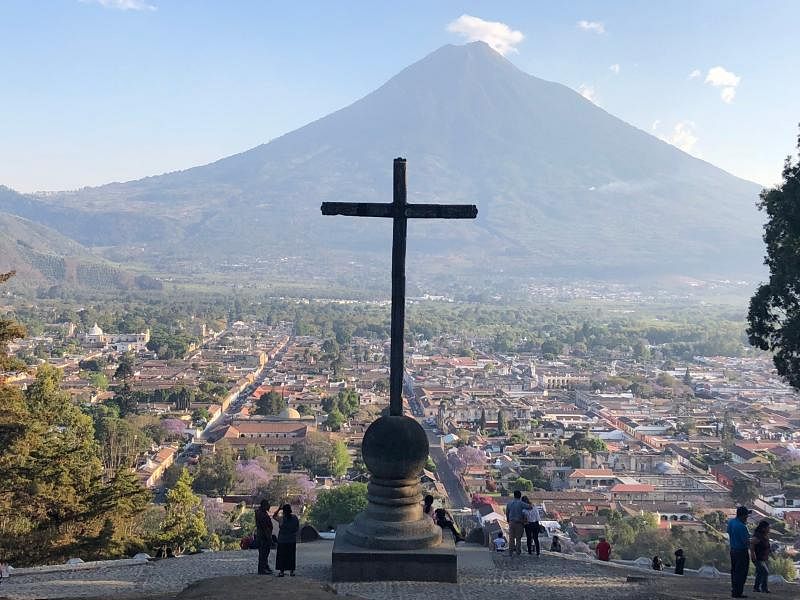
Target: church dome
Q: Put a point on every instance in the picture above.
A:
(95, 330)
(290, 413)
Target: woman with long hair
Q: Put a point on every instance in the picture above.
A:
(427, 506)
(759, 552)
(286, 556)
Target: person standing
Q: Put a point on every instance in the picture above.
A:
(739, 541)
(603, 550)
(759, 552)
(532, 518)
(286, 556)
(263, 537)
(516, 522)
(680, 561)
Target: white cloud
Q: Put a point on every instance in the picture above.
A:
(595, 26)
(727, 94)
(588, 92)
(727, 80)
(498, 35)
(655, 125)
(720, 77)
(614, 69)
(122, 4)
(695, 74)
(682, 136)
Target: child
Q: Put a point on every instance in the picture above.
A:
(500, 543)
(556, 545)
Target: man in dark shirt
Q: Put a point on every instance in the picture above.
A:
(739, 540)
(263, 537)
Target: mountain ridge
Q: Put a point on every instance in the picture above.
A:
(561, 184)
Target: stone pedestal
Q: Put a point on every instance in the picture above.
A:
(393, 539)
(353, 563)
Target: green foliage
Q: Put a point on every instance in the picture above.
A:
(580, 441)
(98, 380)
(184, 525)
(783, 566)
(338, 506)
(347, 402)
(271, 403)
(335, 420)
(125, 367)
(339, 460)
(502, 424)
(53, 498)
(522, 484)
(774, 314)
(216, 473)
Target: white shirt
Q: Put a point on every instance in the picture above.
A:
(532, 515)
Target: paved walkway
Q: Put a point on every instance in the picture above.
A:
(482, 575)
(455, 491)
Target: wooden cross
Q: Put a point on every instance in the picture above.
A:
(400, 211)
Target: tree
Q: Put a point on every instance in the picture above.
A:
(125, 367)
(294, 489)
(10, 330)
(522, 484)
(313, 453)
(184, 525)
(774, 313)
(483, 419)
(501, 422)
(335, 420)
(338, 505)
(271, 403)
(215, 474)
(53, 498)
(744, 490)
(339, 459)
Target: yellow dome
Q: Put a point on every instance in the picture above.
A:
(290, 413)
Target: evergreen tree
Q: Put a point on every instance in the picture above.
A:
(502, 427)
(483, 419)
(184, 525)
(774, 314)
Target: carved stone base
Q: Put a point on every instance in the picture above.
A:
(354, 563)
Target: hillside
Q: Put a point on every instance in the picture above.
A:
(562, 187)
(44, 257)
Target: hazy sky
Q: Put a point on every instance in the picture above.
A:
(93, 91)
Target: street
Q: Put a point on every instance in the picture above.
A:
(458, 497)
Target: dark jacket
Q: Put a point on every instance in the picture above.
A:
(263, 526)
(287, 534)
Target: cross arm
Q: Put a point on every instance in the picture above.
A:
(441, 211)
(358, 209)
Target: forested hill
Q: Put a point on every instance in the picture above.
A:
(562, 187)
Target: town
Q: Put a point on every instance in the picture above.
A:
(257, 409)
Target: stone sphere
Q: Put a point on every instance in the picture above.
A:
(395, 447)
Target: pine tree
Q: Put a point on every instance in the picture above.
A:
(184, 525)
(501, 422)
(483, 419)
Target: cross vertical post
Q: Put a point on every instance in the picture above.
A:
(399, 211)
(396, 361)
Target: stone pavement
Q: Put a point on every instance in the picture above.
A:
(482, 574)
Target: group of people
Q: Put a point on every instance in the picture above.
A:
(680, 562)
(745, 548)
(523, 518)
(288, 526)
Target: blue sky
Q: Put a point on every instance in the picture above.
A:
(93, 91)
